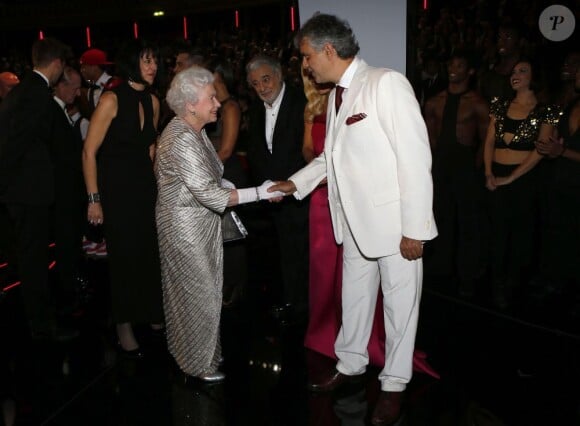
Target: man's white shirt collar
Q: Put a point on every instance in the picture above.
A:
(43, 76)
(60, 102)
(346, 78)
(103, 80)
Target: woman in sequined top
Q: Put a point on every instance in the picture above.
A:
(510, 158)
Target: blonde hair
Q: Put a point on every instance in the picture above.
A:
(316, 102)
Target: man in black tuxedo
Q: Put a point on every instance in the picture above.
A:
(70, 196)
(27, 180)
(276, 131)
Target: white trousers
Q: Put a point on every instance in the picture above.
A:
(401, 281)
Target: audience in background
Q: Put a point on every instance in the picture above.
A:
(7, 82)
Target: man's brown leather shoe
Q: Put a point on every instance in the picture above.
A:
(334, 381)
(388, 408)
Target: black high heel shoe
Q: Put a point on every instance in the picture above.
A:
(134, 354)
(158, 333)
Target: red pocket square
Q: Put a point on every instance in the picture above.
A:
(354, 118)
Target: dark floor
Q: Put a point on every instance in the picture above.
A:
(520, 367)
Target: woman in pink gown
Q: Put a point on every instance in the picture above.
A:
(325, 281)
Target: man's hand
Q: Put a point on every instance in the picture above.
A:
(411, 249)
(285, 186)
(552, 147)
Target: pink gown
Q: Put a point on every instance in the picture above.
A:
(326, 279)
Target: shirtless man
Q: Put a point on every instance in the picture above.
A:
(495, 82)
(457, 120)
(567, 91)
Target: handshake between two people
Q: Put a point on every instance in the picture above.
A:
(272, 191)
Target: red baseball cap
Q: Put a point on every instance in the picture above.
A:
(94, 57)
(9, 79)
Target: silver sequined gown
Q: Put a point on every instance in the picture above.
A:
(189, 203)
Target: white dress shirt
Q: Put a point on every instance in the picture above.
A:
(272, 116)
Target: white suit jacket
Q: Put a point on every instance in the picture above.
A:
(378, 168)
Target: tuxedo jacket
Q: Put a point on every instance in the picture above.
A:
(286, 156)
(66, 147)
(26, 167)
(378, 167)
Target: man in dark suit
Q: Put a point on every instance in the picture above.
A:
(27, 180)
(70, 196)
(276, 132)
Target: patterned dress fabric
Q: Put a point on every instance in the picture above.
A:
(189, 204)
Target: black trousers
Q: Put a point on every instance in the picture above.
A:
(69, 223)
(458, 209)
(31, 226)
(513, 215)
(291, 223)
(561, 237)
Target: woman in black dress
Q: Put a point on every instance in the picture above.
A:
(510, 160)
(122, 190)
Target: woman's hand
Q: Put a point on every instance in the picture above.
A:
(266, 194)
(490, 182)
(95, 214)
(504, 180)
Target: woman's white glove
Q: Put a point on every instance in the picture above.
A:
(228, 184)
(263, 191)
(257, 193)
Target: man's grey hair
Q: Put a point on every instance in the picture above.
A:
(67, 74)
(185, 88)
(322, 29)
(260, 60)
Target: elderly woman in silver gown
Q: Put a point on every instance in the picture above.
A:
(191, 198)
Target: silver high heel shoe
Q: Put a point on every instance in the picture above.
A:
(216, 377)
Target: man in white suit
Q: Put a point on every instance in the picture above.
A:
(378, 164)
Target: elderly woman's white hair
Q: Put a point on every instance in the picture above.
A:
(185, 88)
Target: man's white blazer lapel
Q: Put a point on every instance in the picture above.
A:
(349, 98)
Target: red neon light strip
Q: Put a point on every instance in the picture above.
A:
(41, 35)
(3, 265)
(135, 30)
(88, 31)
(11, 286)
(425, 4)
(185, 27)
(237, 14)
(17, 283)
(292, 21)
